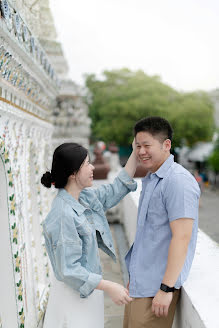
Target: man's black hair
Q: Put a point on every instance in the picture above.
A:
(157, 126)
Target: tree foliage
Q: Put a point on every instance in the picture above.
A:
(213, 159)
(122, 97)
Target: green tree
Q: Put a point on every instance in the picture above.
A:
(122, 97)
(213, 159)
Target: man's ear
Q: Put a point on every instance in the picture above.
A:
(167, 144)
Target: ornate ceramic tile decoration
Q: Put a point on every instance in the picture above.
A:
(23, 143)
(14, 224)
(32, 103)
(6, 13)
(23, 67)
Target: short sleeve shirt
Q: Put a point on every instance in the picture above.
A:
(168, 194)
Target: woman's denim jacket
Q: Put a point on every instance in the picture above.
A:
(74, 230)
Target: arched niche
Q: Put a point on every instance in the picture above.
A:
(8, 304)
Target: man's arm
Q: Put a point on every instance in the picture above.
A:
(181, 235)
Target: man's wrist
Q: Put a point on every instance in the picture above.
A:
(167, 289)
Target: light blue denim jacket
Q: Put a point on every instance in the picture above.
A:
(74, 230)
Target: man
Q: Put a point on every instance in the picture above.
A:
(160, 258)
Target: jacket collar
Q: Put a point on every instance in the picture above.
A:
(77, 207)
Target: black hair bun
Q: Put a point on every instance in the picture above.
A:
(46, 179)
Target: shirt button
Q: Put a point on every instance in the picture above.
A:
(102, 232)
(110, 245)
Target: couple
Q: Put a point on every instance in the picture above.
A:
(160, 258)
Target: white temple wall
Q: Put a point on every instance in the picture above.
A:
(29, 94)
(6, 275)
(24, 203)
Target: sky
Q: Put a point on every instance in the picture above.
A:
(175, 39)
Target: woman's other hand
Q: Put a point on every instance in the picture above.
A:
(118, 293)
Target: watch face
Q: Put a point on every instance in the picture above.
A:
(166, 289)
(163, 287)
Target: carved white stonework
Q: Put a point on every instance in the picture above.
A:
(56, 56)
(39, 109)
(25, 69)
(46, 27)
(70, 117)
(30, 12)
(24, 144)
(47, 37)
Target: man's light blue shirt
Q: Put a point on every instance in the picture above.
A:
(168, 194)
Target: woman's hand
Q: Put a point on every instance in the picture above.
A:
(118, 293)
(132, 161)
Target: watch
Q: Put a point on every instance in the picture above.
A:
(167, 289)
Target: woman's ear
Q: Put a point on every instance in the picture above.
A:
(72, 176)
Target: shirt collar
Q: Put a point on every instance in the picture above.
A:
(162, 171)
(77, 207)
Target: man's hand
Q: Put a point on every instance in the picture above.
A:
(161, 303)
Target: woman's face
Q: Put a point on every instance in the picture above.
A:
(84, 177)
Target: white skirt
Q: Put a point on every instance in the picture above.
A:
(67, 310)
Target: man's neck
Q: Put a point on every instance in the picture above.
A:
(163, 161)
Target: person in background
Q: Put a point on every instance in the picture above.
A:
(74, 229)
(199, 179)
(161, 256)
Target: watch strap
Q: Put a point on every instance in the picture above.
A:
(166, 288)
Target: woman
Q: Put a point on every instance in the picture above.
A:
(74, 229)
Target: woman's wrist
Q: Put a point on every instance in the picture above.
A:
(131, 164)
(104, 285)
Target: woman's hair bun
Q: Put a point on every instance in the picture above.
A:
(46, 179)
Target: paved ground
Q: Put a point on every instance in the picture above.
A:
(209, 223)
(112, 271)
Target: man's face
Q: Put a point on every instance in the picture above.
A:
(151, 152)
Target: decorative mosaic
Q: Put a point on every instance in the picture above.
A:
(23, 143)
(22, 68)
(17, 27)
(13, 219)
(14, 73)
(41, 266)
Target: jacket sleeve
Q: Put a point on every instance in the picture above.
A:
(111, 194)
(68, 253)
